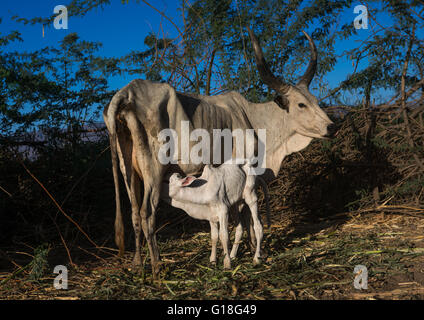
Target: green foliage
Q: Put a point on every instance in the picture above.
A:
(385, 51)
(39, 264)
(406, 188)
(53, 89)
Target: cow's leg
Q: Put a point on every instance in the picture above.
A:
(214, 240)
(135, 215)
(152, 172)
(123, 151)
(148, 218)
(247, 223)
(223, 235)
(252, 201)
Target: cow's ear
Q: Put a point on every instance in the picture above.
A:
(282, 102)
(187, 181)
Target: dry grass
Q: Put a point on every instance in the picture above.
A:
(297, 265)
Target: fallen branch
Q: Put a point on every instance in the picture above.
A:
(58, 206)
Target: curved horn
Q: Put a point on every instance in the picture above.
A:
(266, 75)
(312, 67)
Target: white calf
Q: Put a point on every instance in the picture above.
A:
(210, 198)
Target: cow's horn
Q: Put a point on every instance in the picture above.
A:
(266, 75)
(312, 67)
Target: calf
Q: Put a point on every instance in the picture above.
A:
(213, 194)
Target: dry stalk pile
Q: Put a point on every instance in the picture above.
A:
(374, 163)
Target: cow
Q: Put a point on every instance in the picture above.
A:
(140, 111)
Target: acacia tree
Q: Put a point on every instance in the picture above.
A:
(24, 89)
(83, 80)
(385, 49)
(54, 90)
(211, 53)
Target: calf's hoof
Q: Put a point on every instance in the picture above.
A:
(256, 261)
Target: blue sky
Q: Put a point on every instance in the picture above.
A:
(121, 28)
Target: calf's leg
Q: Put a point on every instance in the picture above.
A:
(223, 235)
(214, 238)
(238, 236)
(252, 201)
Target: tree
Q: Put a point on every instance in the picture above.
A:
(57, 91)
(385, 50)
(212, 52)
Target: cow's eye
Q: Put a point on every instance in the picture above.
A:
(302, 105)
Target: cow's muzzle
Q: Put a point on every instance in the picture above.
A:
(331, 130)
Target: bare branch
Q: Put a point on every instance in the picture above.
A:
(403, 99)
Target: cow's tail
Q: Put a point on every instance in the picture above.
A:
(266, 197)
(110, 120)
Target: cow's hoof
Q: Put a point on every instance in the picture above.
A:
(136, 260)
(256, 261)
(156, 270)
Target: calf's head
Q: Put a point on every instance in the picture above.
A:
(176, 182)
(304, 116)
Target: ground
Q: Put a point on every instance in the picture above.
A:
(303, 260)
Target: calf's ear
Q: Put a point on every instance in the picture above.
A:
(187, 181)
